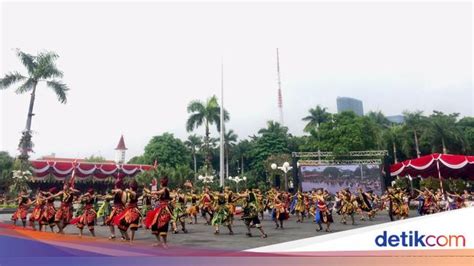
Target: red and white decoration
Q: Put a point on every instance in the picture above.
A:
(436, 165)
(60, 170)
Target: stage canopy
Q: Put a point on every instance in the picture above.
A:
(82, 170)
(436, 165)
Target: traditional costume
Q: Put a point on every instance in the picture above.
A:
(158, 219)
(179, 213)
(323, 214)
(221, 214)
(250, 215)
(49, 211)
(22, 210)
(88, 215)
(193, 209)
(37, 211)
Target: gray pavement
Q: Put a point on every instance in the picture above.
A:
(202, 236)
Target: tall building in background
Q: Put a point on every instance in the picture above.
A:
(350, 104)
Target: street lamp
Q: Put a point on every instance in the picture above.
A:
(411, 183)
(206, 179)
(237, 180)
(285, 168)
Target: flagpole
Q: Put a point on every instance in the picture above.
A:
(221, 155)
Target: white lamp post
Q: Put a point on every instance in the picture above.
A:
(237, 180)
(285, 168)
(206, 179)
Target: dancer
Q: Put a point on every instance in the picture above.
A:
(250, 215)
(130, 217)
(179, 215)
(49, 211)
(37, 211)
(348, 203)
(364, 206)
(206, 205)
(299, 206)
(193, 210)
(159, 218)
(146, 202)
(22, 210)
(230, 203)
(117, 208)
(105, 208)
(323, 214)
(280, 211)
(221, 214)
(88, 215)
(261, 203)
(64, 214)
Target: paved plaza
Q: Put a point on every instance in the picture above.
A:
(202, 236)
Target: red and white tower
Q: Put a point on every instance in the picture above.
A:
(120, 151)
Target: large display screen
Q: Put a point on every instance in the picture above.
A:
(336, 177)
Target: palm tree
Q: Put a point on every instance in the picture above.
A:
(274, 128)
(316, 117)
(243, 148)
(194, 142)
(205, 113)
(415, 121)
(382, 123)
(230, 139)
(40, 68)
(443, 129)
(393, 135)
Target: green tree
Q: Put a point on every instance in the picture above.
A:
(6, 167)
(393, 136)
(194, 143)
(230, 138)
(40, 68)
(138, 160)
(205, 113)
(415, 122)
(442, 130)
(316, 117)
(271, 140)
(382, 124)
(466, 127)
(242, 152)
(348, 132)
(167, 151)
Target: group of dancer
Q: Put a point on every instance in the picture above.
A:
(160, 207)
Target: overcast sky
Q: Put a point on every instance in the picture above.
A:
(133, 67)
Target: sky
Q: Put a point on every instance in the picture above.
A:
(132, 68)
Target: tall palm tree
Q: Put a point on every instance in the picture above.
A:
(382, 124)
(316, 117)
(194, 142)
(393, 135)
(230, 139)
(205, 113)
(40, 68)
(443, 129)
(243, 148)
(414, 122)
(274, 128)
